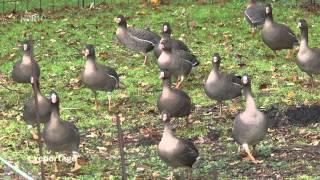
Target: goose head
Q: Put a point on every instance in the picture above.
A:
(269, 11)
(165, 44)
(121, 20)
(26, 46)
(89, 51)
(166, 29)
(164, 74)
(302, 24)
(245, 81)
(216, 60)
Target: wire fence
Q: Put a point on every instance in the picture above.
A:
(13, 6)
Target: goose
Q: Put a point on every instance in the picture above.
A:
(98, 77)
(250, 126)
(255, 14)
(141, 40)
(174, 101)
(44, 107)
(176, 152)
(308, 59)
(221, 86)
(178, 62)
(23, 69)
(277, 36)
(59, 135)
(176, 44)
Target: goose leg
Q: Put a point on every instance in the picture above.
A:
(250, 157)
(311, 82)
(220, 108)
(77, 166)
(145, 59)
(96, 104)
(189, 173)
(180, 82)
(171, 175)
(109, 99)
(289, 55)
(56, 170)
(253, 31)
(34, 134)
(275, 53)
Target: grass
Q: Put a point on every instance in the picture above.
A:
(206, 29)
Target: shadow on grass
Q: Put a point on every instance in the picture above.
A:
(302, 115)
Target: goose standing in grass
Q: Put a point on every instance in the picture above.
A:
(221, 86)
(277, 36)
(23, 70)
(250, 126)
(255, 14)
(178, 62)
(141, 40)
(176, 152)
(61, 136)
(308, 59)
(176, 44)
(44, 105)
(98, 77)
(174, 101)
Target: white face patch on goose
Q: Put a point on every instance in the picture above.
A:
(215, 59)
(164, 117)
(267, 10)
(31, 80)
(161, 75)
(299, 24)
(86, 52)
(245, 80)
(117, 20)
(53, 98)
(25, 47)
(165, 28)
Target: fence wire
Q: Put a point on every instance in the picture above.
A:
(13, 6)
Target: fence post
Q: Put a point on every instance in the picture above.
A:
(53, 5)
(27, 4)
(82, 3)
(40, 6)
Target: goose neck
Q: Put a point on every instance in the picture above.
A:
(250, 104)
(166, 35)
(269, 18)
(26, 58)
(167, 132)
(91, 63)
(166, 84)
(304, 38)
(55, 115)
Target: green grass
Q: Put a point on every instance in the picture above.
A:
(206, 29)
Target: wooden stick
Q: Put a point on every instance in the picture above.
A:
(121, 148)
(35, 89)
